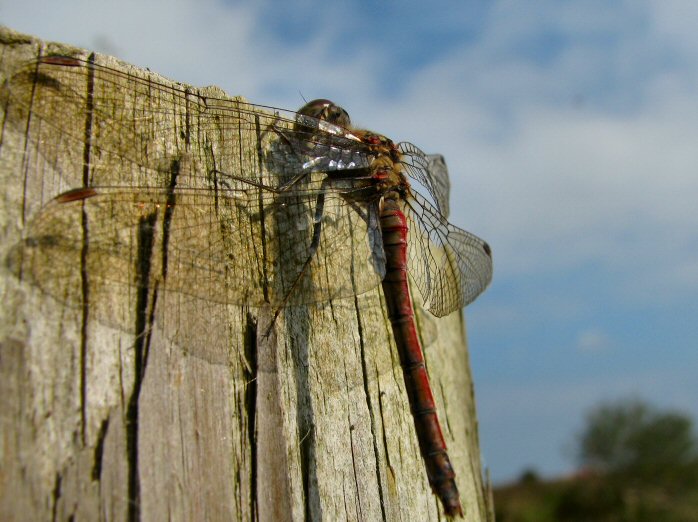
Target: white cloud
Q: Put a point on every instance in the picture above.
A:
(593, 340)
(554, 184)
(202, 43)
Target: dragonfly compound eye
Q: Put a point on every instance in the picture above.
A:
(326, 110)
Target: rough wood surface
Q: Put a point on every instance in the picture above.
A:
(308, 423)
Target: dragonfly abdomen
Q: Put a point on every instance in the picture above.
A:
(401, 313)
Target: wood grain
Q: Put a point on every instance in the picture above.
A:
(115, 411)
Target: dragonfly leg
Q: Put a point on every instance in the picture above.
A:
(281, 189)
(247, 181)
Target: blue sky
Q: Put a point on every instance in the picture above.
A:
(569, 128)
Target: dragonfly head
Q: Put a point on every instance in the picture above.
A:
(326, 110)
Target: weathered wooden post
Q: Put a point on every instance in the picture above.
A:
(123, 404)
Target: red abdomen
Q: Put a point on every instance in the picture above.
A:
(401, 314)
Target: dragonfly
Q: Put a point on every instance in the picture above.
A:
(320, 211)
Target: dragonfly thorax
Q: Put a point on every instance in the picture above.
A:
(387, 175)
(386, 169)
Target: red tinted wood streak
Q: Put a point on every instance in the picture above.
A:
(67, 61)
(76, 195)
(401, 313)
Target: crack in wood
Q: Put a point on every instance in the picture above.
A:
(99, 450)
(369, 406)
(250, 372)
(84, 275)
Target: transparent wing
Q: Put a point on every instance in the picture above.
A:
(137, 141)
(429, 171)
(128, 125)
(442, 183)
(449, 266)
(243, 246)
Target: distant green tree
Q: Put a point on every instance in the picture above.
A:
(638, 464)
(529, 476)
(643, 464)
(636, 440)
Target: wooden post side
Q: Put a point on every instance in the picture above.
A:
(158, 405)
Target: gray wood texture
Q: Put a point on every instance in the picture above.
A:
(118, 410)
